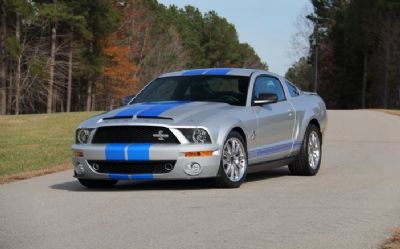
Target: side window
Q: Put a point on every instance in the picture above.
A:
(266, 84)
(293, 91)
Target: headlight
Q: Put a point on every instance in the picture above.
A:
(82, 136)
(197, 135)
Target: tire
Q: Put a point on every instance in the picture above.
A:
(305, 164)
(233, 167)
(97, 183)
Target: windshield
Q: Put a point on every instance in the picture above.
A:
(215, 88)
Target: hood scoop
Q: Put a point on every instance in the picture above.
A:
(153, 117)
(118, 117)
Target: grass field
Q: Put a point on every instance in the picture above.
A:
(36, 143)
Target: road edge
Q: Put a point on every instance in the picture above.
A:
(35, 173)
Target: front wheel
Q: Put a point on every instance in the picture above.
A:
(97, 183)
(233, 166)
(308, 160)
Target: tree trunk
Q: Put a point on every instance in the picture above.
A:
(51, 69)
(10, 93)
(398, 80)
(385, 78)
(69, 87)
(364, 82)
(18, 69)
(93, 98)
(89, 96)
(54, 101)
(3, 69)
(111, 103)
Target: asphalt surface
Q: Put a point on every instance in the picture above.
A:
(353, 202)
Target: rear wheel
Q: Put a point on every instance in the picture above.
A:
(308, 160)
(97, 183)
(233, 167)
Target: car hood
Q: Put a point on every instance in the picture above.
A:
(173, 113)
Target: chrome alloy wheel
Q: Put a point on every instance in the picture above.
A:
(234, 159)
(314, 150)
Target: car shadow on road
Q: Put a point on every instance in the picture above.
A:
(198, 184)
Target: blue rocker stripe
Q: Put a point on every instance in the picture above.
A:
(274, 149)
(158, 109)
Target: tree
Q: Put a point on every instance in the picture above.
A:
(3, 66)
(301, 73)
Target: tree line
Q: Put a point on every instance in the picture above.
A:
(355, 50)
(83, 55)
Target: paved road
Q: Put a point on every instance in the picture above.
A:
(352, 203)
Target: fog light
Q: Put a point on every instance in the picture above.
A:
(193, 169)
(79, 169)
(96, 166)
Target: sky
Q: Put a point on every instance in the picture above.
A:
(267, 25)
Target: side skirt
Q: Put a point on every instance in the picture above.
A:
(269, 165)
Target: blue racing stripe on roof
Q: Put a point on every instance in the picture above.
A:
(115, 152)
(138, 152)
(218, 71)
(195, 72)
(157, 109)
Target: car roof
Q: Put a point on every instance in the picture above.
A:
(217, 71)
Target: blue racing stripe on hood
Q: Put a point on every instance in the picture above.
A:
(158, 109)
(132, 110)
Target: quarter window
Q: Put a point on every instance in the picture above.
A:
(293, 91)
(266, 84)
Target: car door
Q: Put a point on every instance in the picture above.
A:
(275, 122)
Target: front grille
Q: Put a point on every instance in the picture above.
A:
(134, 134)
(129, 167)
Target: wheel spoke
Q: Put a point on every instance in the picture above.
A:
(234, 159)
(313, 150)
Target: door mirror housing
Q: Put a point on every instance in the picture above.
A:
(265, 98)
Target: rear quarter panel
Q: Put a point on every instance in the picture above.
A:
(308, 107)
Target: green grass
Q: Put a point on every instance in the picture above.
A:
(36, 142)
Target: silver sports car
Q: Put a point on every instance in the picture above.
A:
(217, 123)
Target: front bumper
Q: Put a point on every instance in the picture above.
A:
(150, 153)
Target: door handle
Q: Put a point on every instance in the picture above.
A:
(290, 112)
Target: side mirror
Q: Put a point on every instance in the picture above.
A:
(266, 98)
(127, 99)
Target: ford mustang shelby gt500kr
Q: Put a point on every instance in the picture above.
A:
(204, 123)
